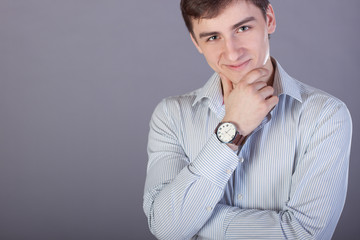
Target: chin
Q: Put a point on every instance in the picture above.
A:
(235, 78)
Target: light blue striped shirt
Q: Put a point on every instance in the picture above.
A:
(288, 182)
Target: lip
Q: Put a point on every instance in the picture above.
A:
(239, 67)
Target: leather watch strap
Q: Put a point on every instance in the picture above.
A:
(239, 139)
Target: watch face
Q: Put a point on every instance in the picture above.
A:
(226, 132)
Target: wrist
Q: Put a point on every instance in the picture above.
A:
(228, 133)
(233, 146)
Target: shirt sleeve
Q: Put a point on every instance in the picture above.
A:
(179, 196)
(317, 194)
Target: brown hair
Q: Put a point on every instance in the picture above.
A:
(197, 9)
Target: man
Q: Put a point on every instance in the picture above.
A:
(254, 153)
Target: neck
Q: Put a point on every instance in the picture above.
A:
(271, 68)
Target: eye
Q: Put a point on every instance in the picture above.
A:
(243, 29)
(212, 38)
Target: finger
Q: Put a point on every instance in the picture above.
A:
(257, 74)
(272, 102)
(266, 92)
(259, 85)
(226, 85)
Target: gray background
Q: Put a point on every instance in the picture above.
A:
(79, 80)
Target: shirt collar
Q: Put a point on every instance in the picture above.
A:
(283, 85)
(211, 91)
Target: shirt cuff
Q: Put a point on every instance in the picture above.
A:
(216, 162)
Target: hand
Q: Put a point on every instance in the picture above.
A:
(247, 103)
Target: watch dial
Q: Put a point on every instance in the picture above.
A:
(226, 132)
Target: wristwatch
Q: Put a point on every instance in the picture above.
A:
(226, 132)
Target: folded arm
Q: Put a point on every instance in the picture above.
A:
(317, 193)
(180, 196)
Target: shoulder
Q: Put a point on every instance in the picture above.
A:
(177, 102)
(305, 98)
(174, 107)
(314, 99)
(319, 109)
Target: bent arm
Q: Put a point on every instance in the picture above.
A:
(316, 197)
(180, 196)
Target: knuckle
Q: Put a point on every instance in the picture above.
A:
(271, 90)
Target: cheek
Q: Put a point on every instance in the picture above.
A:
(213, 58)
(265, 51)
(260, 48)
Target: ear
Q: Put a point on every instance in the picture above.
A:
(195, 43)
(271, 21)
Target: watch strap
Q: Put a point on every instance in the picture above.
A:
(238, 140)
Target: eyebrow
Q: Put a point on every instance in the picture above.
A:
(235, 26)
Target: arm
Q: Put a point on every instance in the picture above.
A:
(317, 193)
(180, 197)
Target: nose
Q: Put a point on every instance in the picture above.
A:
(232, 50)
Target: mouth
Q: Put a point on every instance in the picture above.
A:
(238, 67)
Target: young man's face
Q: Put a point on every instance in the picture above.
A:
(236, 41)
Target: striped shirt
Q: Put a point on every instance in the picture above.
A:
(289, 181)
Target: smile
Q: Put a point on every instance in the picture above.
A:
(239, 67)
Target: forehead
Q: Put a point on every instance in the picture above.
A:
(230, 15)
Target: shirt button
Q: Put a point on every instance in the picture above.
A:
(228, 171)
(209, 208)
(241, 160)
(240, 197)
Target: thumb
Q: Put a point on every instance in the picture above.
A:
(227, 85)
